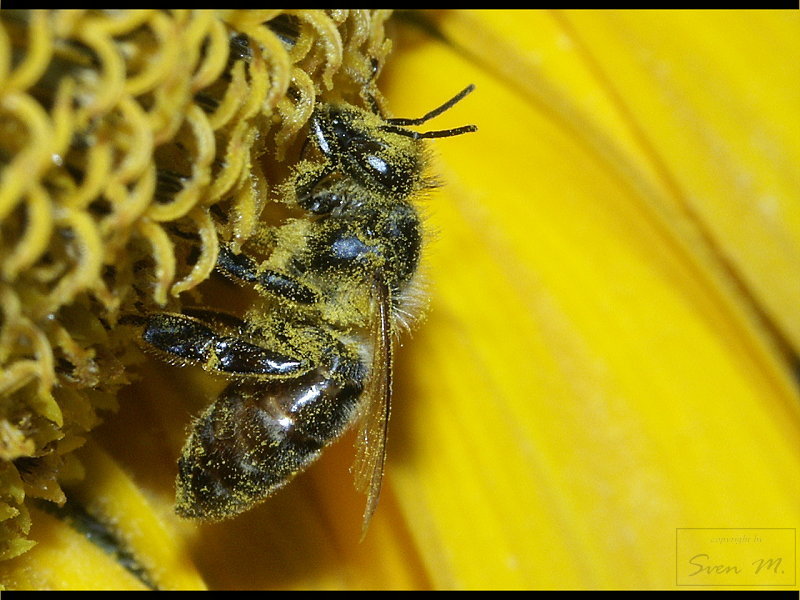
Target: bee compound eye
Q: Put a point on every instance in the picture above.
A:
(378, 165)
(372, 159)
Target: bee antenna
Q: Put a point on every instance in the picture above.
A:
(429, 134)
(447, 132)
(435, 112)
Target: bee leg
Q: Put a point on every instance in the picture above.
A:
(188, 340)
(244, 269)
(260, 433)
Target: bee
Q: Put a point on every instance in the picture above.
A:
(313, 356)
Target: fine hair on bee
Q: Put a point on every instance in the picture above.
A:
(312, 356)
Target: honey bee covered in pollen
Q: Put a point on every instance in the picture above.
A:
(313, 355)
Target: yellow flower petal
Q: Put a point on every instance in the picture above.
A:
(589, 379)
(68, 555)
(691, 109)
(109, 495)
(64, 559)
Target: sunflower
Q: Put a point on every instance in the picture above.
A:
(608, 363)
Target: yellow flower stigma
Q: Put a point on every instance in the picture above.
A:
(603, 393)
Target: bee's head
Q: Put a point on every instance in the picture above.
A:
(364, 150)
(353, 139)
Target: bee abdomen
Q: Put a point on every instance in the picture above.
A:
(255, 438)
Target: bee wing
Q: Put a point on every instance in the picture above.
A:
(374, 420)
